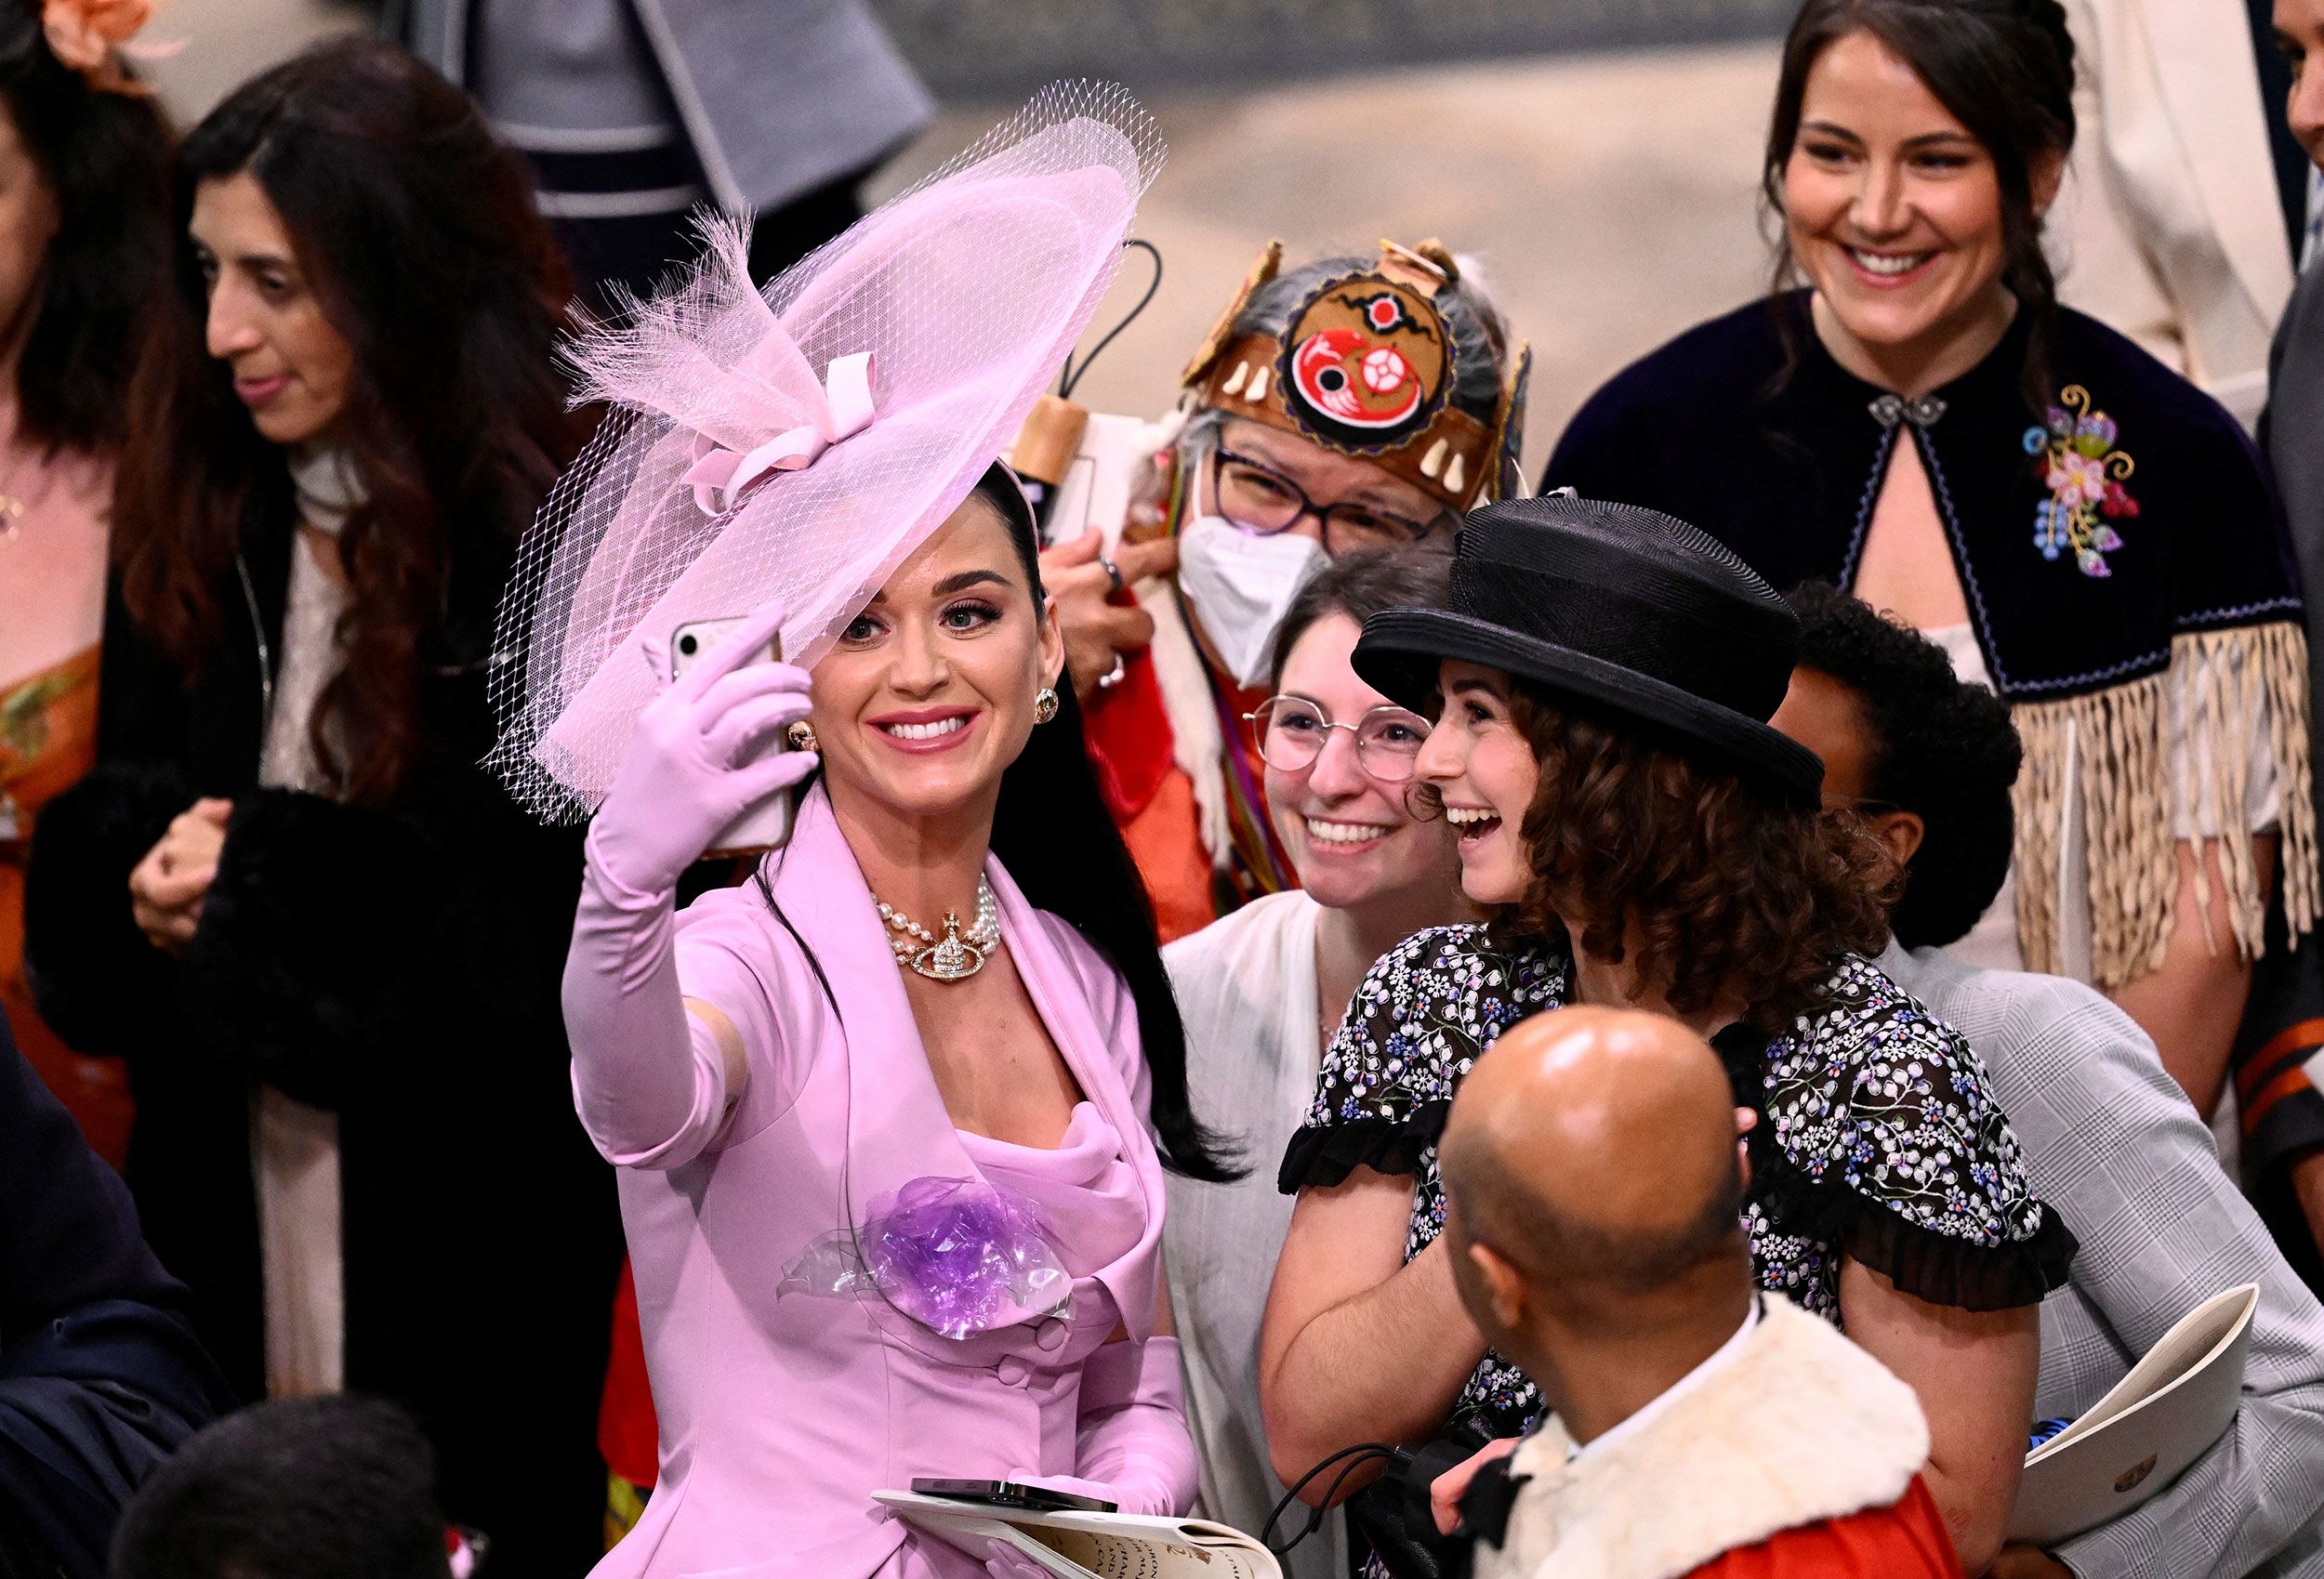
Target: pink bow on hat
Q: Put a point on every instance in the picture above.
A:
(719, 475)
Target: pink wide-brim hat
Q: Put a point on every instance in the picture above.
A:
(801, 442)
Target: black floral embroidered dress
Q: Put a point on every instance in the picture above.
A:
(1878, 1141)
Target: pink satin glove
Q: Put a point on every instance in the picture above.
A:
(648, 1078)
(694, 762)
(1132, 1447)
(1005, 1562)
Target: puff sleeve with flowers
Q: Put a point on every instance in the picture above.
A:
(1424, 1012)
(1880, 1141)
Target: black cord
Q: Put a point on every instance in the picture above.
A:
(1358, 1455)
(1071, 375)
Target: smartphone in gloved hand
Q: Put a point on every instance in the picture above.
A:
(768, 825)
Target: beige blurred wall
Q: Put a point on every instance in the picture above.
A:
(1610, 200)
(217, 43)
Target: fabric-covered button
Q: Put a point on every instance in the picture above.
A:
(1013, 1371)
(1049, 1336)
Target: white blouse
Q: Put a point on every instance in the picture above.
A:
(295, 1149)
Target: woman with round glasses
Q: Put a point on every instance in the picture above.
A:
(1261, 990)
(1349, 404)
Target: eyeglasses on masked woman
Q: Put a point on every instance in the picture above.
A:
(1256, 498)
(1291, 731)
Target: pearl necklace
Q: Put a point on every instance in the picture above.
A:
(958, 955)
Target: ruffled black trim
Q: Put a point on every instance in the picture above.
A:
(1924, 1263)
(1322, 1156)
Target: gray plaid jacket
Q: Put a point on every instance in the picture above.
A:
(2111, 1140)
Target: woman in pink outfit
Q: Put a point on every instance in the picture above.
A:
(937, 1019)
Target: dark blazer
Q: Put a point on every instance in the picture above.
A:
(398, 964)
(100, 1376)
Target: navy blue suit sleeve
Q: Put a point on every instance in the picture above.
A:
(100, 1377)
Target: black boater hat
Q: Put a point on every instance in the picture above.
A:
(1627, 609)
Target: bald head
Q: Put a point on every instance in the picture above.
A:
(1594, 1151)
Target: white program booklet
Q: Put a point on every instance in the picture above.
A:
(1092, 1545)
(2151, 1425)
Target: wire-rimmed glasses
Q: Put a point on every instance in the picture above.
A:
(1262, 501)
(1291, 730)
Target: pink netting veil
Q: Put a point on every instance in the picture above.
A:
(799, 443)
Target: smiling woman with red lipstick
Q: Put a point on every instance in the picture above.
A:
(891, 1119)
(1922, 425)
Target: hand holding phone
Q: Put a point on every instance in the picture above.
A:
(768, 825)
(702, 754)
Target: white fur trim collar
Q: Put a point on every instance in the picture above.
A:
(1800, 1426)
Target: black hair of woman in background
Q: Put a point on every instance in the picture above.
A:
(325, 940)
(84, 255)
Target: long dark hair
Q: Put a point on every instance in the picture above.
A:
(2004, 68)
(105, 157)
(418, 231)
(1052, 831)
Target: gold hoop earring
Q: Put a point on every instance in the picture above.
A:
(1044, 706)
(802, 737)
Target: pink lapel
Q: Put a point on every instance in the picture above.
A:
(898, 1127)
(1051, 981)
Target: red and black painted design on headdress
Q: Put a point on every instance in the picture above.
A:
(1367, 364)
(1366, 367)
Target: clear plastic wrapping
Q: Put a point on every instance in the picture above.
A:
(957, 1255)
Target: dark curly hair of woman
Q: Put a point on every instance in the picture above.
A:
(1709, 887)
(1945, 751)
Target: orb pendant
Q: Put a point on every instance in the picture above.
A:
(951, 959)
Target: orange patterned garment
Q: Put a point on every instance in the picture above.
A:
(53, 513)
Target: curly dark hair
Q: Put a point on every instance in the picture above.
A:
(420, 231)
(1721, 888)
(105, 157)
(1944, 750)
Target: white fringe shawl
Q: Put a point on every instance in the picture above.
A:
(2232, 681)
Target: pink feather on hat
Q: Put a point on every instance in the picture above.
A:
(755, 453)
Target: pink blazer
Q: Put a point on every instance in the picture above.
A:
(780, 1416)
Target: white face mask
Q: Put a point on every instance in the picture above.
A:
(1240, 584)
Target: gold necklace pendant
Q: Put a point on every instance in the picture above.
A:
(954, 959)
(951, 958)
(11, 511)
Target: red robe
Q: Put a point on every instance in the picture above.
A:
(1907, 1540)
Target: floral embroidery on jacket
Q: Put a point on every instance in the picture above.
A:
(2085, 474)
